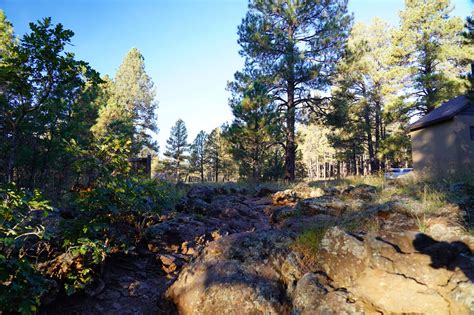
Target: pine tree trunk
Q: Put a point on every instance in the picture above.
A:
(217, 170)
(11, 159)
(378, 130)
(317, 167)
(354, 161)
(370, 145)
(202, 171)
(290, 154)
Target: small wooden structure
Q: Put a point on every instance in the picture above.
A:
(141, 166)
(443, 140)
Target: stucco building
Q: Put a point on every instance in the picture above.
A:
(443, 141)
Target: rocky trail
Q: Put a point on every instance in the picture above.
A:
(136, 283)
(225, 251)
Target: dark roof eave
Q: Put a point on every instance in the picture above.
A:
(460, 103)
(430, 124)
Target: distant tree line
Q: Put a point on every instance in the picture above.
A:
(206, 159)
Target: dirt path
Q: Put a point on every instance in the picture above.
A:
(130, 285)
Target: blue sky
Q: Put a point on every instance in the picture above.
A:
(190, 46)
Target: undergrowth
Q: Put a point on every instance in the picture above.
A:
(107, 217)
(308, 244)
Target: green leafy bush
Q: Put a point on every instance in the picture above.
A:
(21, 286)
(116, 205)
(110, 209)
(77, 267)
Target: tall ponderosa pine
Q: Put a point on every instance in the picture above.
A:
(131, 108)
(296, 45)
(177, 147)
(197, 159)
(7, 45)
(366, 84)
(431, 54)
(348, 138)
(253, 131)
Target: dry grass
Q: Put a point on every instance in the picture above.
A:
(376, 181)
(308, 244)
(362, 224)
(432, 199)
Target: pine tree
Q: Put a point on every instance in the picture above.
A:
(253, 131)
(108, 115)
(131, 108)
(7, 40)
(469, 32)
(177, 148)
(7, 44)
(197, 159)
(469, 41)
(431, 54)
(348, 137)
(214, 152)
(296, 44)
(367, 83)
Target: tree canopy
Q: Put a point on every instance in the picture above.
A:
(295, 45)
(130, 110)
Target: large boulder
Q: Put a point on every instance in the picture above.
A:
(281, 213)
(331, 191)
(300, 224)
(315, 294)
(363, 191)
(285, 197)
(329, 205)
(342, 256)
(395, 294)
(175, 230)
(401, 273)
(224, 214)
(249, 272)
(203, 192)
(192, 205)
(264, 191)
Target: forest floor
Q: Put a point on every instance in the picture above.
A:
(225, 247)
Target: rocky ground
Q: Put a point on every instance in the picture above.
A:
(347, 250)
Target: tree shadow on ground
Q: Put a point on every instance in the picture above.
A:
(446, 255)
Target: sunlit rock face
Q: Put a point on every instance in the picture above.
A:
(401, 272)
(245, 273)
(397, 273)
(285, 197)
